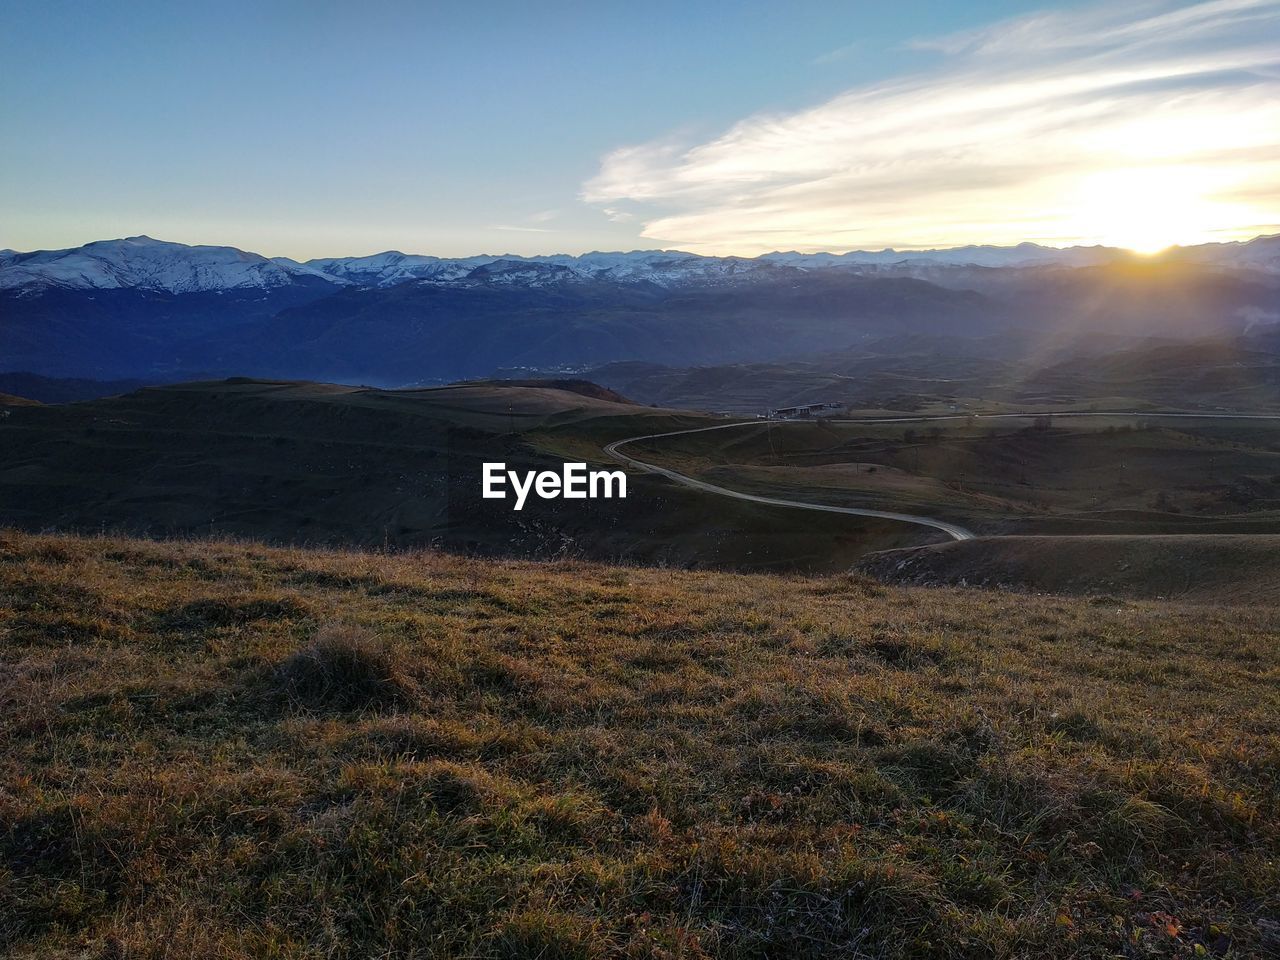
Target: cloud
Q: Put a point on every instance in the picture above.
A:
(1135, 124)
(836, 55)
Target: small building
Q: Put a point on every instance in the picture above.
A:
(802, 412)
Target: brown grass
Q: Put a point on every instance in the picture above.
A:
(506, 759)
(343, 668)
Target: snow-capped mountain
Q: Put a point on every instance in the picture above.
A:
(664, 268)
(141, 263)
(388, 269)
(667, 268)
(144, 264)
(142, 308)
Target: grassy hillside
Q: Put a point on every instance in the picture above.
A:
(1217, 569)
(233, 751)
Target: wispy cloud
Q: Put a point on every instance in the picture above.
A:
(1137, 124)
(836, 55)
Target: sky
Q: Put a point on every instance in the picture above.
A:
(309, 128)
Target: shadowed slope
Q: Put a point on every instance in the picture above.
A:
(1204, 568)
(298, 462)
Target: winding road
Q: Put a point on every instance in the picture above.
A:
(955, 531)
(952, 530)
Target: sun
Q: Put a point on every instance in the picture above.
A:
(1150, 209)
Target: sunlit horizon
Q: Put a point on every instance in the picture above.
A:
(1141, 126)
(825, 128)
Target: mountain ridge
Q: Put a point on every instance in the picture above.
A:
(144, 263)
(141, 308)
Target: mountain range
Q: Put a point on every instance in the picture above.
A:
(140, 307)
(142, 263)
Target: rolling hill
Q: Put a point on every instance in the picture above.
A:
(923, 372)
(296, 462)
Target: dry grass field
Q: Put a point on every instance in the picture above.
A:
(222, 750)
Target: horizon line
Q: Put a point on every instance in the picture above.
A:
(908, 250)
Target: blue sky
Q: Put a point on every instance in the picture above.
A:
(329, 129)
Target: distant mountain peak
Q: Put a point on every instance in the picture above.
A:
(144, 263)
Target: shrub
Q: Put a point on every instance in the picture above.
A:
(904, 655)
(344, 668)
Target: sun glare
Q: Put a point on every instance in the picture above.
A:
(1148, 210)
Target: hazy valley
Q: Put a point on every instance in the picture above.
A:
(140, 308)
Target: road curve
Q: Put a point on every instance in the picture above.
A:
(952, 530)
